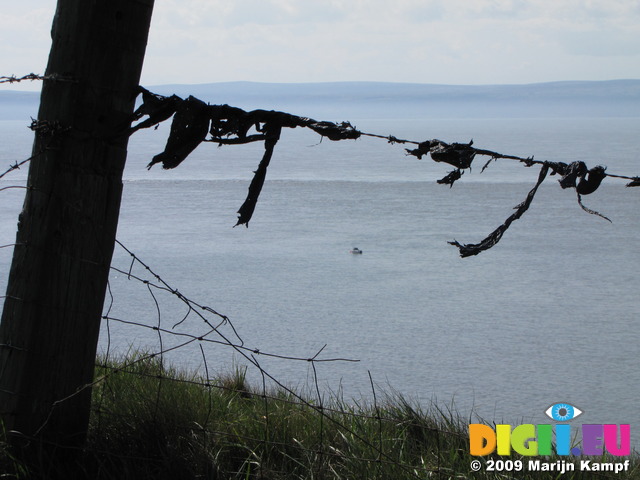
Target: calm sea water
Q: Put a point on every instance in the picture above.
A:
(548, 315)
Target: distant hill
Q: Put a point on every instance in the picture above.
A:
(343, 100)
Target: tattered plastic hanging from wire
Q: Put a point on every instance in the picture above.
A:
(193, 120)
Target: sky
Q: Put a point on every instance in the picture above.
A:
(463, 42)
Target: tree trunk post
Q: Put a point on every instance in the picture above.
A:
(66, 231)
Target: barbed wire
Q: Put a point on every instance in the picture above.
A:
(151, 281)
(250, 355)
(16, 166)
(14, 79)
(195, 121)
(47, 130)
(34, 76)
(140, 274)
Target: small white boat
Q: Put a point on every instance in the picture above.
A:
(356, 251)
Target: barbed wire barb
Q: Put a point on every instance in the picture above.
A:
(204, 326)
(193, 120)
(34, 76)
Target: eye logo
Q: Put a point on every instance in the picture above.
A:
(531, 440)
(562, 412)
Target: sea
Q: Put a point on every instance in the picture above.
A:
(549, 315)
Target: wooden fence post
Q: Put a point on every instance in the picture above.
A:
(66, 231)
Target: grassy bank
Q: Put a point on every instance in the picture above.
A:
(153, 422)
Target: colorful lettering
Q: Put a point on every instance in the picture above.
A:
(530, 440)
(611, 439)
(482, 440)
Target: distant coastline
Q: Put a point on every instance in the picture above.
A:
(612, 98)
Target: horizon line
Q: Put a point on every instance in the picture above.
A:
(368, 82)
(328, 82)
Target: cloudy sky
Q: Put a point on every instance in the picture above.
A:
(423, 41)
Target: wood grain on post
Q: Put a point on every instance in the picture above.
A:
(66, 231)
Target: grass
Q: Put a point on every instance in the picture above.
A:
(150, 421)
